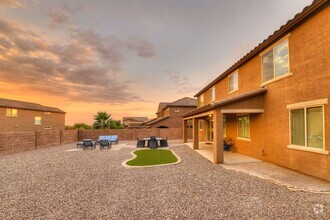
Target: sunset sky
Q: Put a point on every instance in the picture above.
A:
(126, 56)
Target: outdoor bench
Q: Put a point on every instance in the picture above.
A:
(110, 138)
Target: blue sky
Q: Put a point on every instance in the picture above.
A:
(126, 56)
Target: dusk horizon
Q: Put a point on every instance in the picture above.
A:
(124, 57)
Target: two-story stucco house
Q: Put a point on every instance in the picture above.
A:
(274, 102)
(134, 122)
(169, 114)
(17, 116)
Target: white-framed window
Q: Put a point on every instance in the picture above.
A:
(201, 124)
(201, 99)
(212, 93)
(243, 125)
(307, 125)
(233, 82)
(37, 120)
(48, 113)
(275, 62)
(176, 109)
(11, 112)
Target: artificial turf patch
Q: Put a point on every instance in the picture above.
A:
(152, 157)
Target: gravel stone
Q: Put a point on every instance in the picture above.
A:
(57, 184)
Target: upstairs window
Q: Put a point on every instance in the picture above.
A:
(201, 99)
(11, 112)
(37, 120)
(275, 62)
(233, 82)
(212, 94)
(176, 109)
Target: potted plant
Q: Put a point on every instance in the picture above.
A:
(227, 143)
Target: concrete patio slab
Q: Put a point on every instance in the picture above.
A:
(267, 171)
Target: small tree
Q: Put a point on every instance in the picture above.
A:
(82, 126)
(102, 120)
(116, 124)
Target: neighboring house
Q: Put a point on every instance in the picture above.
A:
(274, 102)
(133, 122)
(169, 113)
(25, 116)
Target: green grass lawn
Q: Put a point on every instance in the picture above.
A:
(152, 157)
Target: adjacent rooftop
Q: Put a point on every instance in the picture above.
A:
(8, 103)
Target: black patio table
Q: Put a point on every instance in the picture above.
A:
(148, 140)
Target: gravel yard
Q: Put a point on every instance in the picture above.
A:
(58, 184)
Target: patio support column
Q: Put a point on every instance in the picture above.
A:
(185, 133)
(218, 156)
(195, 133)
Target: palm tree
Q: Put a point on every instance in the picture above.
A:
(102, 120)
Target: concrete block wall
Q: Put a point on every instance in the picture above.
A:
(48, 138)
(133, 134)
(69, 136)
(17, 142)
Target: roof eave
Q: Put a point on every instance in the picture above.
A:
(220, 103)
(275, 36)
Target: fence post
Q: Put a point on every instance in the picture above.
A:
(61, 137)
(36, 144)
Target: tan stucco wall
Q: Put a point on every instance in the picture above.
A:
(175, 119)
(309, 53)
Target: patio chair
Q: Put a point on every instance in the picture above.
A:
(163, 143)
(88, 144)
(105, 144)
(153, 144)
(140, 142)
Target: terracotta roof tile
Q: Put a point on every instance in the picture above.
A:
(158, 120)
(137, 119)
(186, 101)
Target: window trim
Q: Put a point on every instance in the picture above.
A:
(212, 89)
(229, 76)
(35, 120)
(11, 112)
(243, 138)
(289, 73)
(305, 106)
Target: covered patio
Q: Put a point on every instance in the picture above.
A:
(213, 115)
(206, 150)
